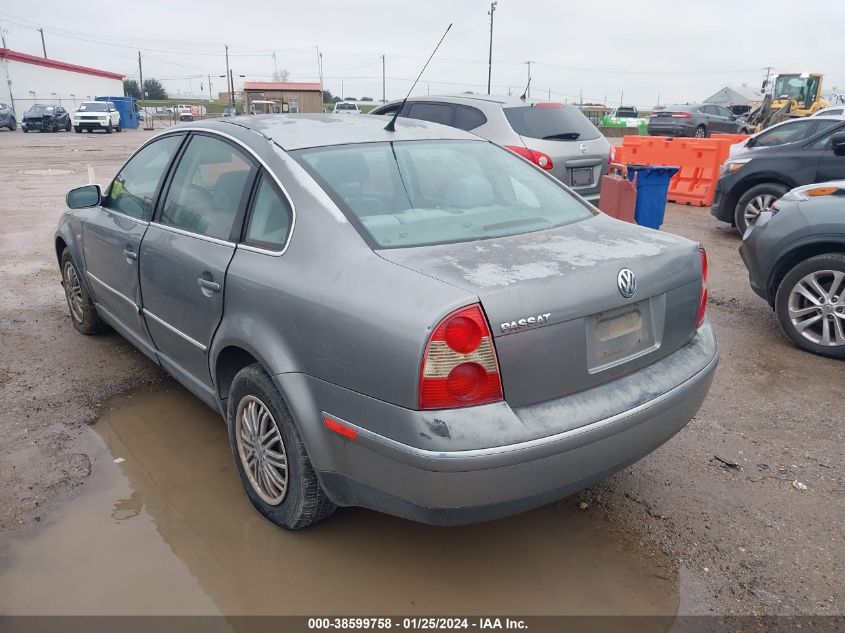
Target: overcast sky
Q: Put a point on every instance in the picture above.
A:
(679, 49)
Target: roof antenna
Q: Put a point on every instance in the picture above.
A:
(525, 92)
(391, 126)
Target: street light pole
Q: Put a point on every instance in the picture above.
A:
(229, 75)
(490, 54)
(528, 89)
(383, 84)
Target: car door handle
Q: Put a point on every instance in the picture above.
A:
(207, 284)
(130, 254)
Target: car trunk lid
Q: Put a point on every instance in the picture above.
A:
(559, 320)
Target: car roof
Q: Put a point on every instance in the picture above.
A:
(298, 131)
(502, 100)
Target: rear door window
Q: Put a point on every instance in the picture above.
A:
(551, 121)
(468, 118)
(270, 219)
(208, 189)
(434, 112)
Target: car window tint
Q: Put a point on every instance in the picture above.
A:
(269, 223)
(468, 118)
(208, 188)
(434, 112)
(787, 133)
(551, 120)
(824, 141)
(134, 188)
(417, 193)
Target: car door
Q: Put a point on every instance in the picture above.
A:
(726, 120)
(714, 121)
(186, 252)
(831, 166)
(112, 235)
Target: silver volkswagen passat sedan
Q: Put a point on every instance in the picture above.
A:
(415, 321)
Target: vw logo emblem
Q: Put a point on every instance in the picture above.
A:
(583, 148)
(626, 282)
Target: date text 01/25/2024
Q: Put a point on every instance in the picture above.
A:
(415, 623)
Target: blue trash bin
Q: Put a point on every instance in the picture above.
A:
(652, 191)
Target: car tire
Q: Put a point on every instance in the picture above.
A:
(13, 125)
(109, 128)
(700, 132)
(54, 128)
(118, 128)
(300, 501)
(67, 126)
(794, 308)
(83, 313)
(78, 130)
(758, 198)
(25, 130)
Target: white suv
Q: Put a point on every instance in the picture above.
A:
(343, 107)
(96, 115)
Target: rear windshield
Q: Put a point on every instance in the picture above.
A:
(419, 193)
(94, 107)
(551, 121)
(346, 106)
(626, 113)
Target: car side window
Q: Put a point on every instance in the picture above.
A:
(434, 112)
(723, 111)
(468, 118)
(208, 189)
(133, 191)
(270, 219)
(709, 109)
(788, 133)
(824, 141)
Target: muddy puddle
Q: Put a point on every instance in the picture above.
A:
(163, 526)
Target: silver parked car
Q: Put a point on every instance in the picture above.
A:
(554, 136)
(415, 321)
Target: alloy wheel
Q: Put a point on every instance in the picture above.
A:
(261, 450)
(816, 307)
(73, 292)
(756, 206)
(700, 132)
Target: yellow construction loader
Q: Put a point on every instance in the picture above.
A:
(793, 95)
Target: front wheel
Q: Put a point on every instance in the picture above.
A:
(109, 128)
(118, 128)
(754, 201)
(83, 313)
(810, 305)
(700, 132)
(13, 125)
(270, 456)
(67, 126)
(77, 129)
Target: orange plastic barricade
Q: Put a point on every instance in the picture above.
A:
(699, 159)
(618, 196)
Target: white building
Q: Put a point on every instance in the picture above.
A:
(737, 98)
(28, 79)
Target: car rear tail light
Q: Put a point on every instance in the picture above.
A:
(702, 302)
(548, 106)
(682, 115)
(611, 157)
(538, 158)
(459, 367)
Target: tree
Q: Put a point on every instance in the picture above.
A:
(281, 75)
(131, 88)
(327, 96)
(154, 89)
(366, 98)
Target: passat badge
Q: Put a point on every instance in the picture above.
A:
(626, 282)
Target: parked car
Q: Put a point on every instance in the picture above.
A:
(342, 107)
(446, 333)
(96, 115)
(7, 117)
(46, 118)
(230, 111)
(795, 254)
(792, 131)
(749, 183)
(623, 116)
(554, 136)
(838, 110)
(699, 120)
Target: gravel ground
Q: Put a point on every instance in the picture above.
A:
(744, 539)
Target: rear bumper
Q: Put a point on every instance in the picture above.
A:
(447, 487)
(671, 129)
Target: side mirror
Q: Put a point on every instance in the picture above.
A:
(84, 197)
(837, 144)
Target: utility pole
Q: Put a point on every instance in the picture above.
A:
(141, 76)
(231, 88)
(550, 93)
(6, 66)
(275, 68)
(229, 76)
(342, 93)
(768, 70)
(320, 70)
(528, 90)
(210, 98)
(43, 46)
(581, 98)
(490, 54)
(383, 82)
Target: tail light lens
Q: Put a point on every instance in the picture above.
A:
(611, 157)
(538, 158)
(702, 302)
(459, 367)
(682, 115)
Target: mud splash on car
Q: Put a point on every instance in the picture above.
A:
(163, 526)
